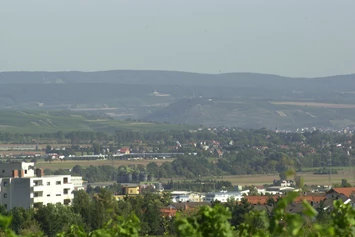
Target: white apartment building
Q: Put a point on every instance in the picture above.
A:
(223, 196)
(77, 182)
(22, 185)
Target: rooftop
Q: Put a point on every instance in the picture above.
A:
(346, 191)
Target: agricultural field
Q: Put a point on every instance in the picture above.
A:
(42, 122)
(308, 177)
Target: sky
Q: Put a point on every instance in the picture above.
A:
(303, 38)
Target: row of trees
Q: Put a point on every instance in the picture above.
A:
(91, 212)
(101, 215)
(241, 137)
(184, 166)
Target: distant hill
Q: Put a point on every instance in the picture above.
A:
(134, 77)
(241, 99)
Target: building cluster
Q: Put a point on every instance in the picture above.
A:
(224, 196)
(185, 202)
(24, 185)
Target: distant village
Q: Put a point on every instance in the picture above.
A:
(60, 188)
(215, 148)
(24, 185)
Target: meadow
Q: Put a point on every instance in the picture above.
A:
(308, 177)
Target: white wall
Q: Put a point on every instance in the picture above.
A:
(26, 192)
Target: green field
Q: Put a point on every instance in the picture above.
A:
(258, 179)
(42, 122)
(308, 177)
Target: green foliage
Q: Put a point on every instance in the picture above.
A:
(344, 183)
(208, 221)
(5, 226)
(56, 218)
(216, 221)
(238, 210)
(282, 223)
(326, 171)
(244, 151)
(120, 227)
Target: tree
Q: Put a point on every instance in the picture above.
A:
(282, 175)
(77, 170)
(21, 218)
(238, 210)
(48, 149)
(209, 221)
(56, 218)
(253, 191)
(344, 183)
(82, 205)
(104, 208)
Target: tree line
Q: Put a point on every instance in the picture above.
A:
(101, 215)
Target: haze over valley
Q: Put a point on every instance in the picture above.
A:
(246, 100)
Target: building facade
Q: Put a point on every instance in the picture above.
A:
(223, 196)
(27, 187)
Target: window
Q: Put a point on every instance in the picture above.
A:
(25, 171)
(38, 183)
(3, 171)
(65, 191)
(48, 195)
(130, 191)
(5, 205)
(48, 183)
(5, 195)
(58, 194)
(58, 183)
(5, 183)
(65, 180)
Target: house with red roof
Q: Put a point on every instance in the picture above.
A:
(125, 151)
(348, 192)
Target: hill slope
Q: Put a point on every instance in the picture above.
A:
(243, 99)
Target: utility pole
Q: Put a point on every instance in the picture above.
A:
(329, 171)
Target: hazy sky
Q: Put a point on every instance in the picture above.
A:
(291, 38)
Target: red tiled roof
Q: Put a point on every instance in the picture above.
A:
(346, 191)
(263, 199)
(259, 199)
(168, 211)
(309, 199)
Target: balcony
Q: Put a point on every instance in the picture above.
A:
(38, 199)
(68, 196)
(38, 187)
(68, 185)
